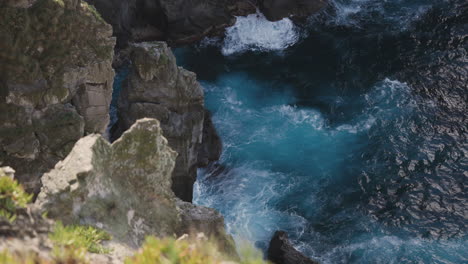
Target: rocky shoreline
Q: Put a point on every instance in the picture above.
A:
(56, 81)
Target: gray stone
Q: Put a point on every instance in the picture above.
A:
(55, 82)
(281, 251)
(157, 88)
(125, 188)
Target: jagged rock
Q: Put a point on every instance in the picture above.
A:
(189, 21)
(124, 188)
(281, 251)
(176, 21)
(157, 88)
(278, 9)
(210, 222)
(55, 82)
(212, 147)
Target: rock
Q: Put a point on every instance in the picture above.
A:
(175, 21)
(210, 222)
(125, 188)
(28, 231)
(7, 172)
(55, 82)
(281, 251)
(275, 10)
(212, 147)
(190, 21)
(157, 88)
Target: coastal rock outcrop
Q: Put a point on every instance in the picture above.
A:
(125, 189)
(55, 82)
(275, 10)
(176, 21)
(281, 251)
(157, 88)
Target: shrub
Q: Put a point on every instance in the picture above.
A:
(7, 257)
(12, 197)
(78, 239)
(171, 251)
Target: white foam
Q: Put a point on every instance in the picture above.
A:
(299, 116)
(255, 32)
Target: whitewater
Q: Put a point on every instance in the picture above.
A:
(324, 138)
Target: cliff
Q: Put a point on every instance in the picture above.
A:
(157, 88)
(55, 82)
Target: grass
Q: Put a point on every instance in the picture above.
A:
(79, 238)
(8, 257)
(171, 251)
(12, 198)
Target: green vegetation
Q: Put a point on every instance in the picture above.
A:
(171, 251)
(7, 257)
(12, 198)
(93, 11)
(78, 239)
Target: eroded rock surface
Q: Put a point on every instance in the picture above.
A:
(55, 82)
(176, 21)
(125, 188)
(281, 251)
(157, 88)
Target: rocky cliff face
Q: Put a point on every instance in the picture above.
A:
(157, 88)
(177, 21)
(55, 82)
(125, 188)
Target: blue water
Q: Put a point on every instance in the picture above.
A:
(324, 139)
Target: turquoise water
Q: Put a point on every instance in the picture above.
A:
(324, 139)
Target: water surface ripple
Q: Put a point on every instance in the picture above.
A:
(349, 133)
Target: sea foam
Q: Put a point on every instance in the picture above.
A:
(254, 32)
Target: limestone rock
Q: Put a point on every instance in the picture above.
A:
(281, 251)
(278, 9)
(55, 82)
(123, 188)
(157, 88)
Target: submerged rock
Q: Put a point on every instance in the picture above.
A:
(275, 10)
(125, 188)
(157, 88)
(281, 251)
(55, 82)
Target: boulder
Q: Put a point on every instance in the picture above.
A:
(125, 189)
(157, 88)
(210, 222)
(275, 10)
(55, 82)
(281, 251)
